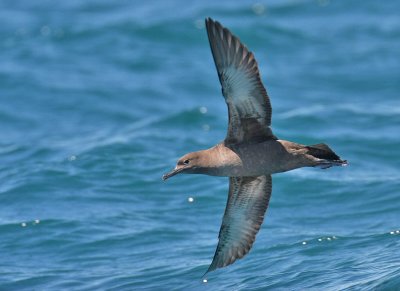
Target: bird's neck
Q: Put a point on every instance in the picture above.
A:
(220, 160)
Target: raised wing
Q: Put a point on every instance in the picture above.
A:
(249, 106)
(244, 213)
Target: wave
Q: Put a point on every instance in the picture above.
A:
(389, 109)
(354, 176)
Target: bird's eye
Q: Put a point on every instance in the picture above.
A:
(186, 162)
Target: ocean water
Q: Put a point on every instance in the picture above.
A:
(99, 98)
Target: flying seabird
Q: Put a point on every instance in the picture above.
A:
(250, 152)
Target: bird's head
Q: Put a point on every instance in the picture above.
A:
(191, 163)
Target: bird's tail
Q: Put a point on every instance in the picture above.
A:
(327, 156)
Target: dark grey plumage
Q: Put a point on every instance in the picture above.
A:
(250, 152)
(249, 107)
(247, 202)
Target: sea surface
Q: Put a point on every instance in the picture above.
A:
(99, 98)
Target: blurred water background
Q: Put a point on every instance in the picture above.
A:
(99, 98)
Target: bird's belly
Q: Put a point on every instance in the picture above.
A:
(262, 159)
(262, 164)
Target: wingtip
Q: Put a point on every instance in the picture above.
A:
(204, 275)
(207, 20)
(210, 269)
(211, 22)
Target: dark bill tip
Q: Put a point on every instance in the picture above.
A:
(172, 173)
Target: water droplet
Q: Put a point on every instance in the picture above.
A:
(203, 109)
(190, 199)
(205, 281)
(258, 8)
(45, 30)
(304, 243)
(206, 127)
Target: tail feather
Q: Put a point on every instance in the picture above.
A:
(322, 151)
(326, 155)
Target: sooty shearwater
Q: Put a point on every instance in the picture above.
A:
(250, 152)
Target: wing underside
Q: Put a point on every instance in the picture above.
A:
(244, 213)
(248, 103)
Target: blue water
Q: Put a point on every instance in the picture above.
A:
(99, 98)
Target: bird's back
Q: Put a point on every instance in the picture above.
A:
(252, 159)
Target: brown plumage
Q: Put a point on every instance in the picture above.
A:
(250, 152)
